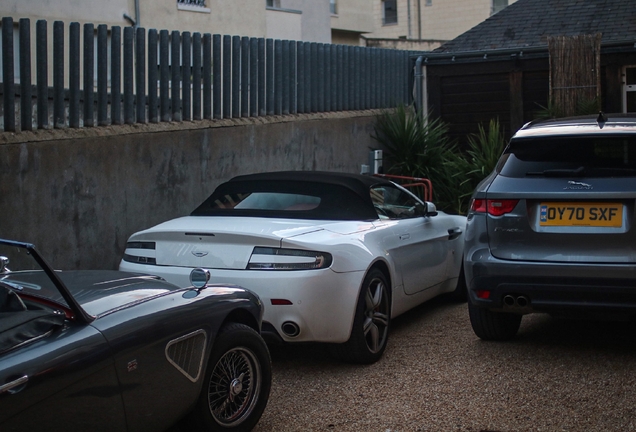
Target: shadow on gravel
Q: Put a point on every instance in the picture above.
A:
(581, 334)
(557, 374)
(315, 354)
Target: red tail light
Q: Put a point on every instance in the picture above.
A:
(478, 206)
(493, 207)
(483, 294)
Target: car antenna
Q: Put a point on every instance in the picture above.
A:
(601, 119)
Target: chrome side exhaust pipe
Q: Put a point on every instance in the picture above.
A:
(290, 328)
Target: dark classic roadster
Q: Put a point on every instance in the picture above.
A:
(113, 351)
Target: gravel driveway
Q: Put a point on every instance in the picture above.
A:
(436, 375)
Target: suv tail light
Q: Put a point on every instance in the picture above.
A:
(493, 207)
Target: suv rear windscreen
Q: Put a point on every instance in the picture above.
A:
(569, 156)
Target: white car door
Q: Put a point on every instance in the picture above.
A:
(418, 245)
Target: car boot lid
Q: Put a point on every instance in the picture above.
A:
(223, 242)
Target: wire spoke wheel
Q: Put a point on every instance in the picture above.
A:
(234, 386)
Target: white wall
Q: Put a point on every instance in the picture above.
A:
(283, 24)
(354, 16)
(96, 11)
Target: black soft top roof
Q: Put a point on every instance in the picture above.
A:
(343, 196)
(358, 183)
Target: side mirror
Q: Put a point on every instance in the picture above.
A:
(419, 210)
(199, 277)
(4, 262)
(431, 210)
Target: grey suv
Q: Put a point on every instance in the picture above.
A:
(553, 228)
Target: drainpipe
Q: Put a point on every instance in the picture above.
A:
(137, 21)
(418, 87)
(408, 12)
(419, 19)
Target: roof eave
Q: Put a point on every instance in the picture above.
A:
(503, 54)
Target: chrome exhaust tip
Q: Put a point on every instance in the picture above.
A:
(509, 300)
(290, 329)
(522, 301)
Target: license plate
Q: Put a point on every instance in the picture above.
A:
(593, 214)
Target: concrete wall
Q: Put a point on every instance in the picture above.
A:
(79, 194)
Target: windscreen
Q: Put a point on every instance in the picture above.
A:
(570, 156)
(21, 272)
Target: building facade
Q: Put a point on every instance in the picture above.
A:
(350, 19)
(306, 20)
(408, 24)
(404, 24)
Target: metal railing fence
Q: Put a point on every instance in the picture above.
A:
(114, 77)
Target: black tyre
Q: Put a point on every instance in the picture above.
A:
(370, 332)
(237, 381)
(460, 294)
(493, 326)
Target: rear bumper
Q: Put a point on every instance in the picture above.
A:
(322, 305)
(550, 287)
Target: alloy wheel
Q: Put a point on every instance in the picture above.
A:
(376, 315)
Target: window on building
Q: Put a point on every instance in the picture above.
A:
(273, 3)
(428, 3)
(193, 6)
(498, 5)
(200, 3)
(389, 9)
(333, 7)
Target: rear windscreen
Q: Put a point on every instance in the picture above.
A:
(298, 200)
(568, 156)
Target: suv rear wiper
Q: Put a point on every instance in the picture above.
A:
(613, 172)
(583, 171)
(580, 171)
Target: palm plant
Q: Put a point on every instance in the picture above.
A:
(475, 163)
(415, 147)
(584, 106)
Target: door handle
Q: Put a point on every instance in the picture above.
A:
(8, 387)
(454, 233)
(404, 236)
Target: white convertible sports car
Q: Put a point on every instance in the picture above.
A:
(332, 256)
